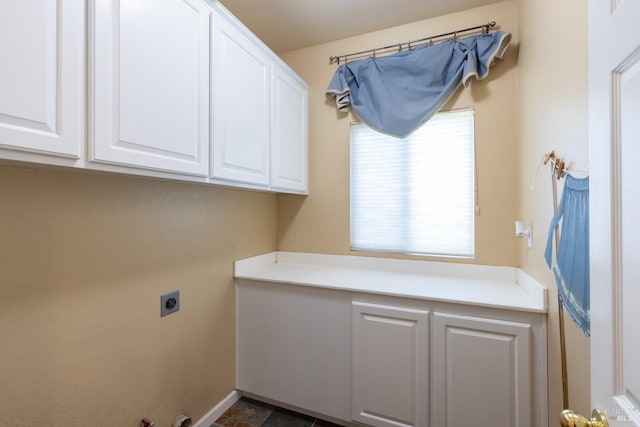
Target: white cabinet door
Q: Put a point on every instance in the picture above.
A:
(241, 86)
(289, 132)
(390, 365)
(150, 90)
(42, 76)
(293, 344)
(482, 372)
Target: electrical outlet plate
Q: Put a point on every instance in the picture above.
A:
(169, 303)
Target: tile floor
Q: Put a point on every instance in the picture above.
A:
(251, 413)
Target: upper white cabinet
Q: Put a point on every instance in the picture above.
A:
(260, 112)
(150, 84)
(241, 110)
(289, 131)
(42, 76)
(176, 89)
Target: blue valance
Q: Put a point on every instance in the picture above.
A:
(395, 94)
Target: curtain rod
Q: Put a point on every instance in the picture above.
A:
(484, 27)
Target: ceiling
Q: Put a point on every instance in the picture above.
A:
(286, 25)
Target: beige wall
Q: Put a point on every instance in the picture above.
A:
(552, 100)
(320, 222)
(83, 262)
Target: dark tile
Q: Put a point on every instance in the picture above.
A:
(323, 423)
(247, 401)
(284, 418)
(245, 413)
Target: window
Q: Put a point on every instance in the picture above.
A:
(415, 195)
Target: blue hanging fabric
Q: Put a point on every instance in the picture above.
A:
(571, 266)
(395, 94)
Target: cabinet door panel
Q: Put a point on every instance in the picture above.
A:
(483, 374)
(390, 365)
(289, 133)
(151, 84)
(42, 76)
(241, 81)
(293, 345)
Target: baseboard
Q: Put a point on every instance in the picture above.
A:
(215, 413)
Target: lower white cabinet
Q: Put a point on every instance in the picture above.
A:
(390, 357)
(366, 359)
(293, 346)
(482, 372)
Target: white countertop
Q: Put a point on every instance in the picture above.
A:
(487, 286)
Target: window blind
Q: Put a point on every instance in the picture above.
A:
(417, 194)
